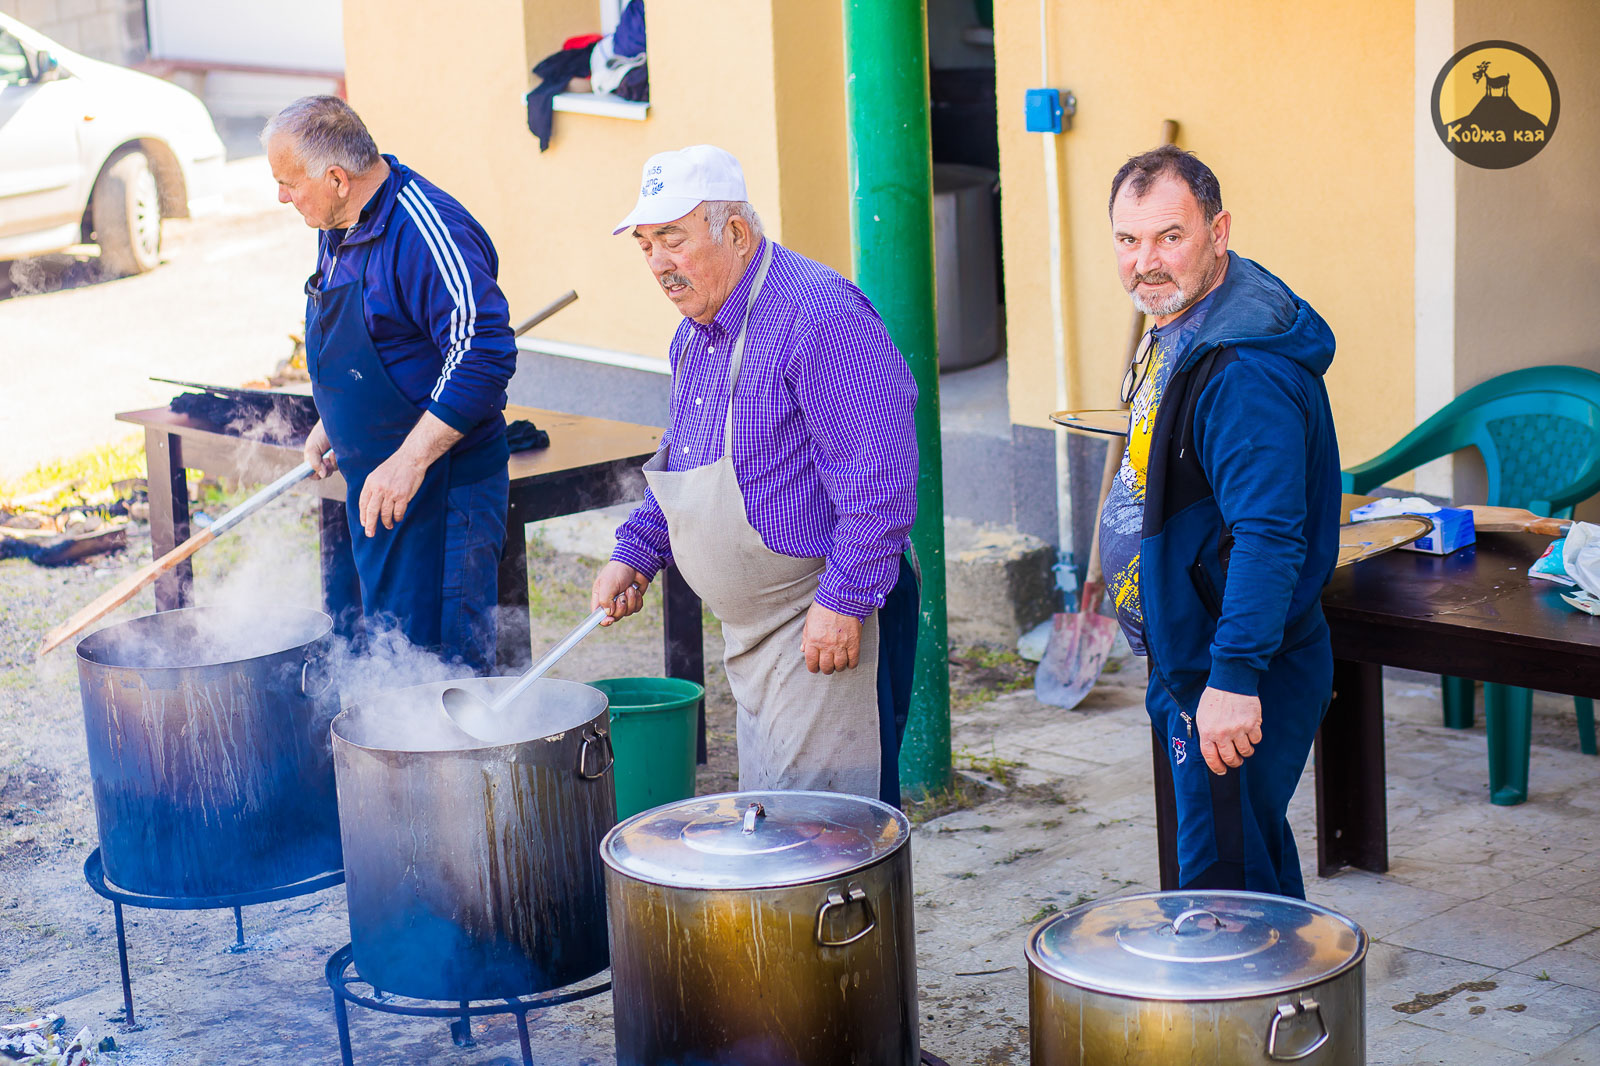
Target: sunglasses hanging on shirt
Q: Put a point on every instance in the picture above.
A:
(1136, 369)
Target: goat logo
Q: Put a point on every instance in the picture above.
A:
(1478, 118)
(1503, 82)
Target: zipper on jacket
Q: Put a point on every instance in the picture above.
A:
(1205, 589)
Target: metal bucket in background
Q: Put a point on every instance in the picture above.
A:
(208, 750)
(472, 868)
(966, 265)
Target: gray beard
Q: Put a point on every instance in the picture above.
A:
(1169, 305)
(1178, 301)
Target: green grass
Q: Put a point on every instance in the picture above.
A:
(77, 478)
(1020, 853)
(1000, 770)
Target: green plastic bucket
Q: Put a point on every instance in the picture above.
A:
(653, 725)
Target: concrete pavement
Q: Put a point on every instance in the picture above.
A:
(218, 310)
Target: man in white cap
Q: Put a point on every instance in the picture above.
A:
(787, 507)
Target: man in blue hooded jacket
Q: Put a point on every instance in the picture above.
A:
(1222, 525)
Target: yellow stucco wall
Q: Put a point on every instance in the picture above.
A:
(1305, 113)
(440, 83)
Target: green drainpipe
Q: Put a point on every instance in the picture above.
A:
(891, 224)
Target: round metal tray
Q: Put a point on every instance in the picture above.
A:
(1364, 540)
(1113, 423)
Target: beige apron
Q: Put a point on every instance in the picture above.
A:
(796, 729)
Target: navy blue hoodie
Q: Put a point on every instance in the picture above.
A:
(1241, 524)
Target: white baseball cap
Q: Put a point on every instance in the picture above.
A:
(675, 183)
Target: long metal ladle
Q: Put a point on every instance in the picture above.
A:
(473, 714)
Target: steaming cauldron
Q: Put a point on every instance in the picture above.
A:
(208, 748)
(472, 866)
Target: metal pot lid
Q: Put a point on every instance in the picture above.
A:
(1196, 945)
(754, 839)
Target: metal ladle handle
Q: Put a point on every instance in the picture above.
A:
(567, 643)
(1194, 912)
(537, 670)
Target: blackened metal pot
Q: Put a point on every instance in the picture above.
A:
(472, 865)
(208, 750)
(1202, 978)
(763, 929)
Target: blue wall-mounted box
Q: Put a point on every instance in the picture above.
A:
(1042, 110)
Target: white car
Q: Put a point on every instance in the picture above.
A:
(93, 152)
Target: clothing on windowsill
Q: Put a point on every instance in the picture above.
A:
(556, 71)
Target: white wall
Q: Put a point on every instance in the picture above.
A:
(285, 34)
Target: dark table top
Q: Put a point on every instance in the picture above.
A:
(577, 443)
(1473, 613)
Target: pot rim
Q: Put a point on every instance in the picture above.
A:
(474, 747)
(1036, 965)
(841, 875)
(325, 627)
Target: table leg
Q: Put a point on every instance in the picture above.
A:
(1352, 815)
(1166, 813)
(683, 643)
(514, 651)
(169, 514)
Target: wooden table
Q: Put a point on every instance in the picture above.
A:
(1473, 613)
(591, 462)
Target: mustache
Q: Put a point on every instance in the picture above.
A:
(674, 278)
(1157, 278)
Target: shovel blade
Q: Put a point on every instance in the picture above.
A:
(1077, 651)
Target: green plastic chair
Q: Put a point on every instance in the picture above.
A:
(1538, 430)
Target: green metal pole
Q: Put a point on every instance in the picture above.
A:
(891, 224)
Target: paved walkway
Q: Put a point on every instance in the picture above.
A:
(1485, 942)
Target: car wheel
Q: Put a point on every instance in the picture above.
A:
(126, 210)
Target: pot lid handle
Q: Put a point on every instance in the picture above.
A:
(1195, 912)
(751, 813)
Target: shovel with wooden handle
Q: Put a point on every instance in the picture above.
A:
(124, 590)
(1486, 519)
(1080, 643)
(570, 296)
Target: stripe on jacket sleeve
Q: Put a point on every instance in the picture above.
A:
(446, 267)
(466, 302)
(452, 267)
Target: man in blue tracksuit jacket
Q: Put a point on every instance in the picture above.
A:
(409, 349)
(1222, 525)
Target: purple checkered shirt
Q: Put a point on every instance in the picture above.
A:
(823, 442)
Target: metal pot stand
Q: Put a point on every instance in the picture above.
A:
(340, 975)
(94, 873)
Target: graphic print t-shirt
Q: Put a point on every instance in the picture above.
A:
(1122, 520)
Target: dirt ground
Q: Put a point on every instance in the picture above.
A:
(196, 998)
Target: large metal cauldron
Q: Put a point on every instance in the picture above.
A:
(763, 929)
(208, 748)
(1204, 978)
(472, 866)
